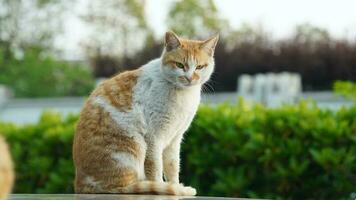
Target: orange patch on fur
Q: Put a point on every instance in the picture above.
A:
(195, 76)
(97, 137)
(118, 90)
(189, 49)
(149, 169)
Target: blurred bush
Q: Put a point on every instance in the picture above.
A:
(42, 154)
(37, 75)
(346, 88)
(291, 152)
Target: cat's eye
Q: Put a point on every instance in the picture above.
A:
(179, 65)
(200, 66)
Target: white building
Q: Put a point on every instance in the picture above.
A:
(270, 89)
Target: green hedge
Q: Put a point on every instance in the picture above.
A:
(42, 154)
(292, 152)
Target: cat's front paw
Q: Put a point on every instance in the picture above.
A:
(189, 191)
(186, 190)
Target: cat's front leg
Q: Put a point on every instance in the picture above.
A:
(171, 160)
(153, 161)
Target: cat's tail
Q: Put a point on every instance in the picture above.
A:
(162, 188)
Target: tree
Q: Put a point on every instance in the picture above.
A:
(27, 63)
(307, 33)
(117, 30)
(117, 27)
(192, 18)
(248, 35)
(29, 23)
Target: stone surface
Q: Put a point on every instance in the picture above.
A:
(106, 197)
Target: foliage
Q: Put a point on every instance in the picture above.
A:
(193, 18)
(30, 23)
(346, 88)
(42, 154)
(35, 75)
(292, 152)
(311, 52)
(116, 30)
(27, 31)
(115, 27)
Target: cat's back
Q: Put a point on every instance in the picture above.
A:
(102, 132)
(118, 90)
(112, 96)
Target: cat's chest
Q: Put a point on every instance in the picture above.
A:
(169, 111)
(172, 105)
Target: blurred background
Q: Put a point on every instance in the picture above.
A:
(291, 62)
(62, 49)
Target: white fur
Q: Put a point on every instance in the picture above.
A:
(129, 160)
(91, 181)
(162, 111)
(134, 125)
(132, 122)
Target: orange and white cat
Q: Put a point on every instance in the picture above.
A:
(131, 127)
(6, 170)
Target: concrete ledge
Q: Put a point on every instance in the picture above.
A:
(106, 197)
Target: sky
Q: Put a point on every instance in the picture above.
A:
(278, 17)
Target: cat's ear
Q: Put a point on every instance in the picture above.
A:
(171, 41)
(210, 44)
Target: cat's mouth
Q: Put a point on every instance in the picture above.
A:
(187, 82)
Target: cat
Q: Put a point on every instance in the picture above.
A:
(131, 126)
(6, 170)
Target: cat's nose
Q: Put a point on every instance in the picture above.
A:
(188, 79)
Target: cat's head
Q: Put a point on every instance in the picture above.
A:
(188, 62)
